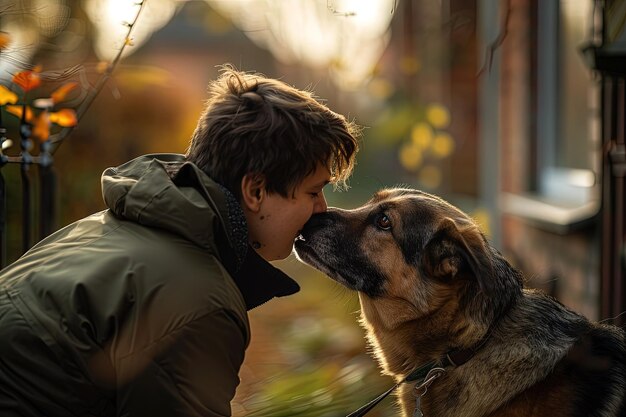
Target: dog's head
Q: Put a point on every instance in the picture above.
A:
(406, 249)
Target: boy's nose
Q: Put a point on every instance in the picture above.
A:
(320, 205)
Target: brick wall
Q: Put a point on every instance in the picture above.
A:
(564, 265)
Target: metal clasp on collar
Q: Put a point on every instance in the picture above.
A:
(422, 388)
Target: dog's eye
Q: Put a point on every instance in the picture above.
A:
(383, 222)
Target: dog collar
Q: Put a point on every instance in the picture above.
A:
(422, 375)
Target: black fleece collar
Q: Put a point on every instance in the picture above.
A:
(259, 281)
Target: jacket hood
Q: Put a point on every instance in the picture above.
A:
(167, 192)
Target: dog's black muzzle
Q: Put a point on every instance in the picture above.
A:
(318, 222)
(330, 244)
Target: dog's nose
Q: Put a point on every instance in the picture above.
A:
(325, 218)
(316, 222)
(319, 220)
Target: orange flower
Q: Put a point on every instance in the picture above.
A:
(41, 126)
(7, 96)
(5, 40)
(60, 93)
(64, 118)
(41, 123)
(27, 79)
(19, 110)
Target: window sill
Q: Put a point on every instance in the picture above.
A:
(555, 217)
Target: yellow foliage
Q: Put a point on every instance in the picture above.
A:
(5, 40)
(64, 118)
(422, 135)
(438, 116)
(60, 93)
(7, 96)
(443, 145)
(41, 126)
(19, 110)
(410, 156)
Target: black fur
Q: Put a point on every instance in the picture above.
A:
(534, 353)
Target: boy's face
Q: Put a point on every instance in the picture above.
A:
(278, 220)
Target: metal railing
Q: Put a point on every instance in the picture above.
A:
(47, 182)
(613, 302)
(44, 161)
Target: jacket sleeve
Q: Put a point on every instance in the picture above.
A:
(195, 372)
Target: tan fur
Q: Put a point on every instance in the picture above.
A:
(413, 324)
(457, 293)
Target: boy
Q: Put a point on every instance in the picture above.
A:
(141, 310)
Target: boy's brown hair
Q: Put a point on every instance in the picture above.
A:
(261, 126)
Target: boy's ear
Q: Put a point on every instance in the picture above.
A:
(252, 191)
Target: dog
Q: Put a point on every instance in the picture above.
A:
(432, 290)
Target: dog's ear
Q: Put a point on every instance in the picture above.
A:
(456, 249)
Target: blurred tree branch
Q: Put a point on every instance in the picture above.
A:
(57, 139)
(498, 41)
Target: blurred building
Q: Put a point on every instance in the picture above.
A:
(559, 89)
(511, 109)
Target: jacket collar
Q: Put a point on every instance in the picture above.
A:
(166, 191)
(259, 281)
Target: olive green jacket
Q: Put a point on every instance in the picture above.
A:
(139, 310)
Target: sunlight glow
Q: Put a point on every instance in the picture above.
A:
(346, 36)
(110, 18)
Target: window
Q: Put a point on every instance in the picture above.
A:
(566, 140)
